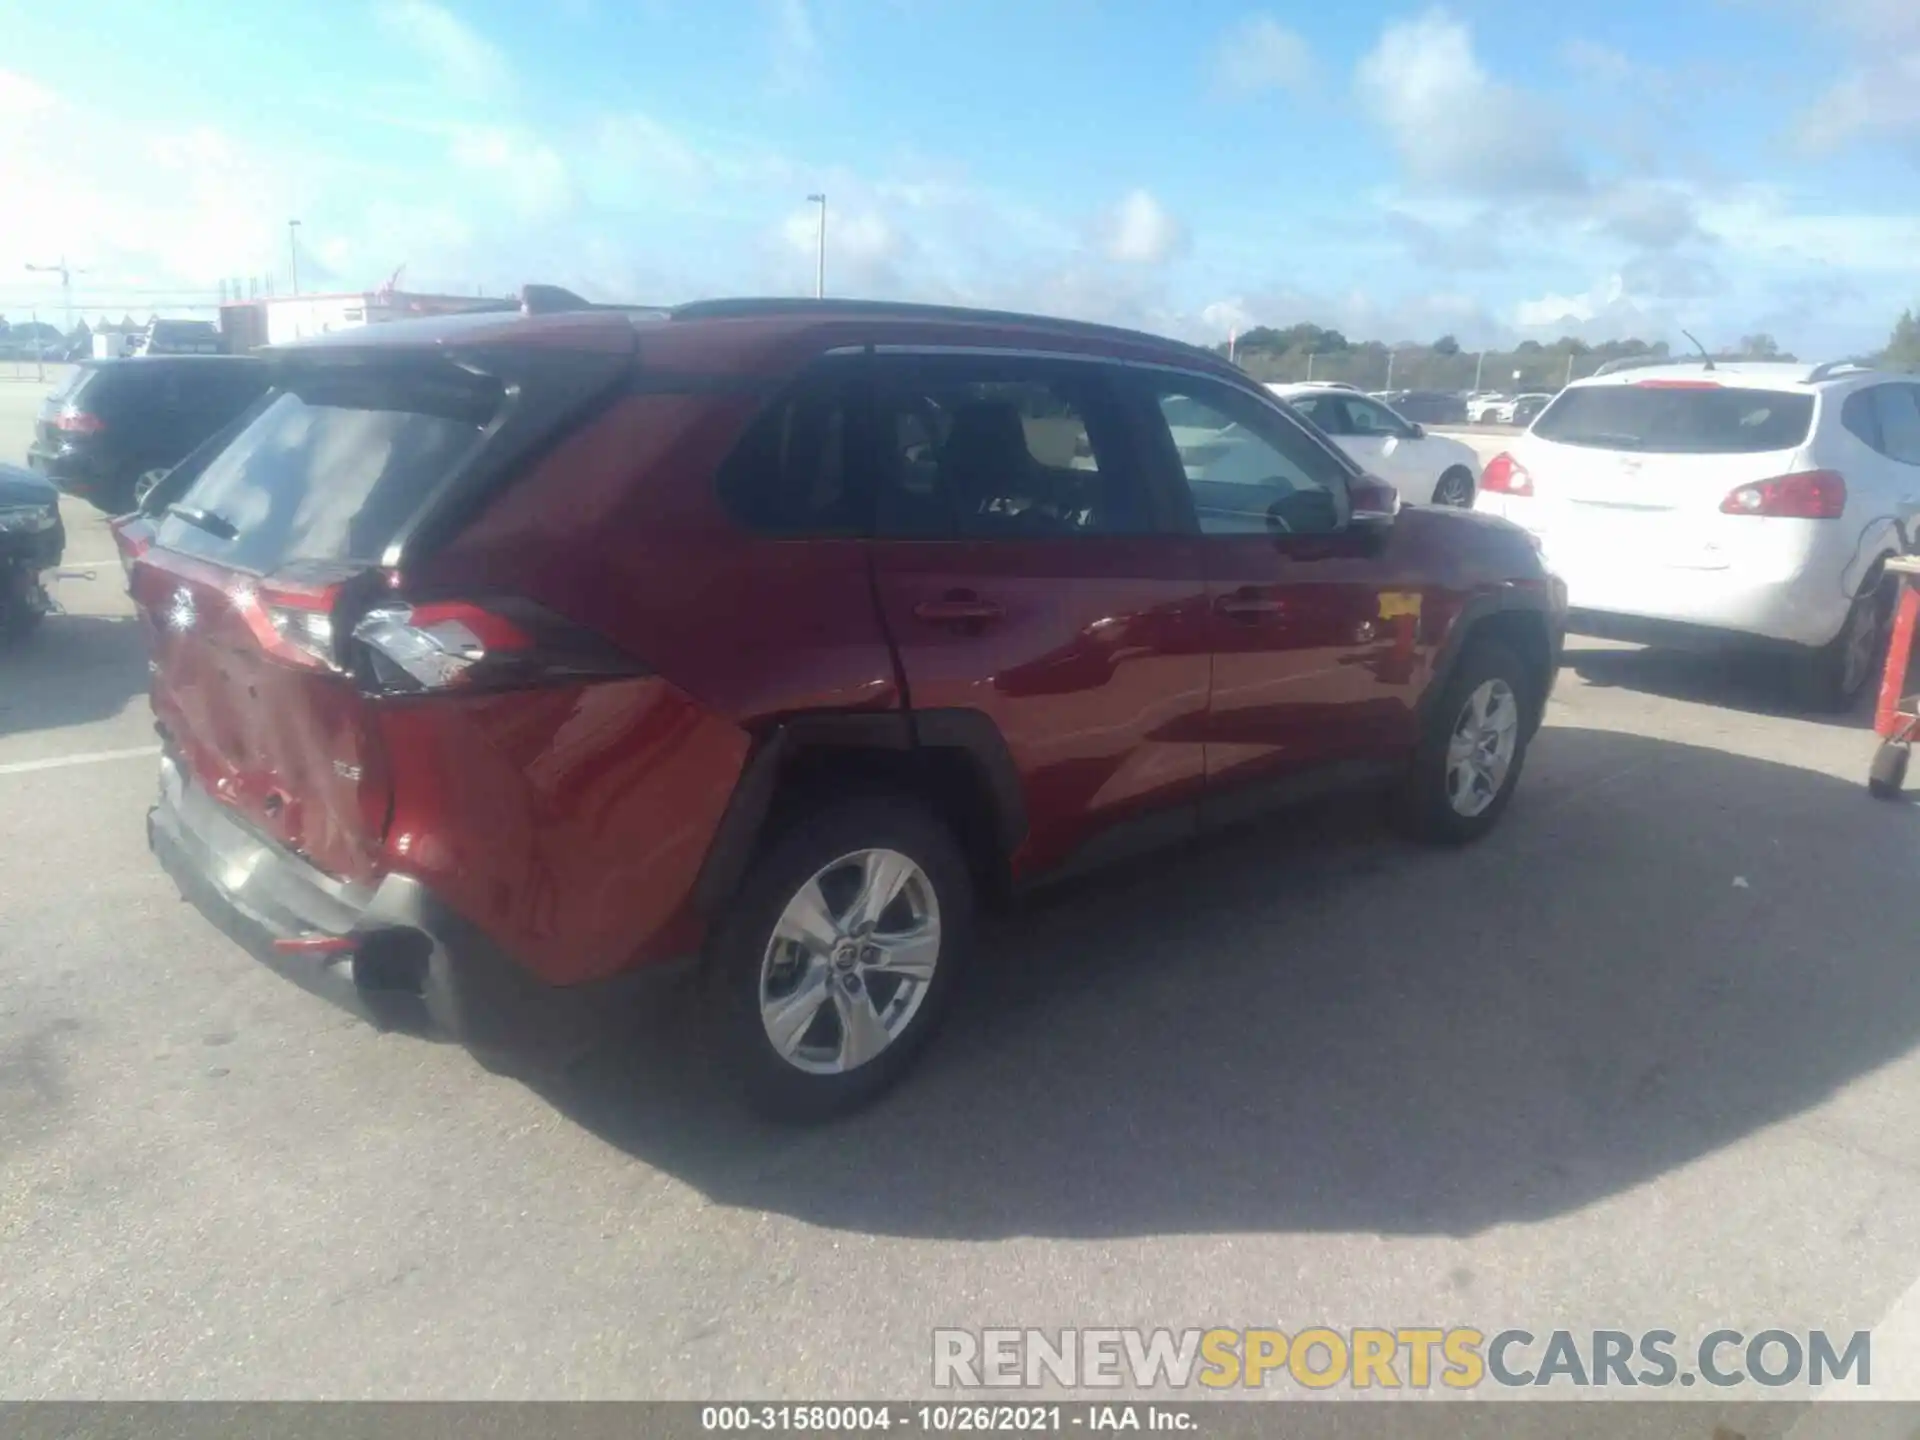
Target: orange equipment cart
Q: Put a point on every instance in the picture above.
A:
(1896, 718)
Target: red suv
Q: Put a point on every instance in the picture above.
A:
(500, 655)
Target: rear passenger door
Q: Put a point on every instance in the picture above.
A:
(1024, 576)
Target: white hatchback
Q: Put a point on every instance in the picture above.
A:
(1693, 501)
(1426, 469)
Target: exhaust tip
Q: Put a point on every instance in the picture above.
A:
(391, 962)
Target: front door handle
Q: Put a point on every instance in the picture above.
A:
(1248, 605)
(962, 607)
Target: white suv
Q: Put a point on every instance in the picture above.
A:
(1425, 469)
(1695, 501)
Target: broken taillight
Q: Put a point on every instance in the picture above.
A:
(465, 645)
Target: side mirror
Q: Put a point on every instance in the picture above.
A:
(1416, 431)
(1374, 501)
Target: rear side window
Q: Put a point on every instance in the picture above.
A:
(328, 472)
(1897, 409)
(1678, 420)
(1003, 448)
(792, 474)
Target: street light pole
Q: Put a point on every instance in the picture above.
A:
(66, 285)
(293, 252)
(1390, 354)
(1309, 367)
(1478, 361)
(820, 250)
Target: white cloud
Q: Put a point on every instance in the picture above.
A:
(1140, 231)
(1571, 310)
(796, 46)
(1653, 214)
(1227, 317)
(1878, 95)
(1259, 54)
(864, 249)
(21, 96)
(1455, 127)
(1768, 223)
(463, 59)
(526, 170)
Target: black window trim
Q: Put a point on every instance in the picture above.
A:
(1171, 476)
(1235, 381)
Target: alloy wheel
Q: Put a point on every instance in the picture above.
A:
(850, 962)
(1456, 490)
(1486, 734)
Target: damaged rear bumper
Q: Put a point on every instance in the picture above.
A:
(394, 954)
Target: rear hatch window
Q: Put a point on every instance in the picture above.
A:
(330, 470)
(1686, 419)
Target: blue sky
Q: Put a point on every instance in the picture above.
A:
(1490, 168)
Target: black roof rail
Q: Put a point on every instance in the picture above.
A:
(1830, 368)
(752, 307)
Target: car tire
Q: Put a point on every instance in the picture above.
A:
(1887, 776)
(891, 973)
(1832, 678)
(1454, 489)
(18, 620)
(1472, 748)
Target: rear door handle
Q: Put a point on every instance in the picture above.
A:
(1248, 605)
(955, 609)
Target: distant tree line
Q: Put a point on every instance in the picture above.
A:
(1307, 351)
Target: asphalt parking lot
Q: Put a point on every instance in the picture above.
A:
(1644, 1059)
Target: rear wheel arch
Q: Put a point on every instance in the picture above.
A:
(955, 762)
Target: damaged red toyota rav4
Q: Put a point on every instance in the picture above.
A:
(503, 655)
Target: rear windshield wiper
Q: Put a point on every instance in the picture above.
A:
(212, 522)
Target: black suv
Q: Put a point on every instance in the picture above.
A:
(111, 431)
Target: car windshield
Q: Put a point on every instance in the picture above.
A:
(1682, 420)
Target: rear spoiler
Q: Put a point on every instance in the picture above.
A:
(557, 300)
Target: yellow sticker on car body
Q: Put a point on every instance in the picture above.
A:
(1395, 603)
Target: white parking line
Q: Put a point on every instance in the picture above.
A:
(89, 757)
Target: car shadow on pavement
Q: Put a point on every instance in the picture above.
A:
(71, 670)
(1312, 1026)
(1748, 681)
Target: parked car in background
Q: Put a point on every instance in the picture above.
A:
(1484, 408)
(1527, 408)
(113, 428)
(32, 540)
(178, 337)
(1508, 411)
(500, 655)
(1740, 502)
(1425, 469)
(1430, 407)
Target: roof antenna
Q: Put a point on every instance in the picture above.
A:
(1698, 346)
